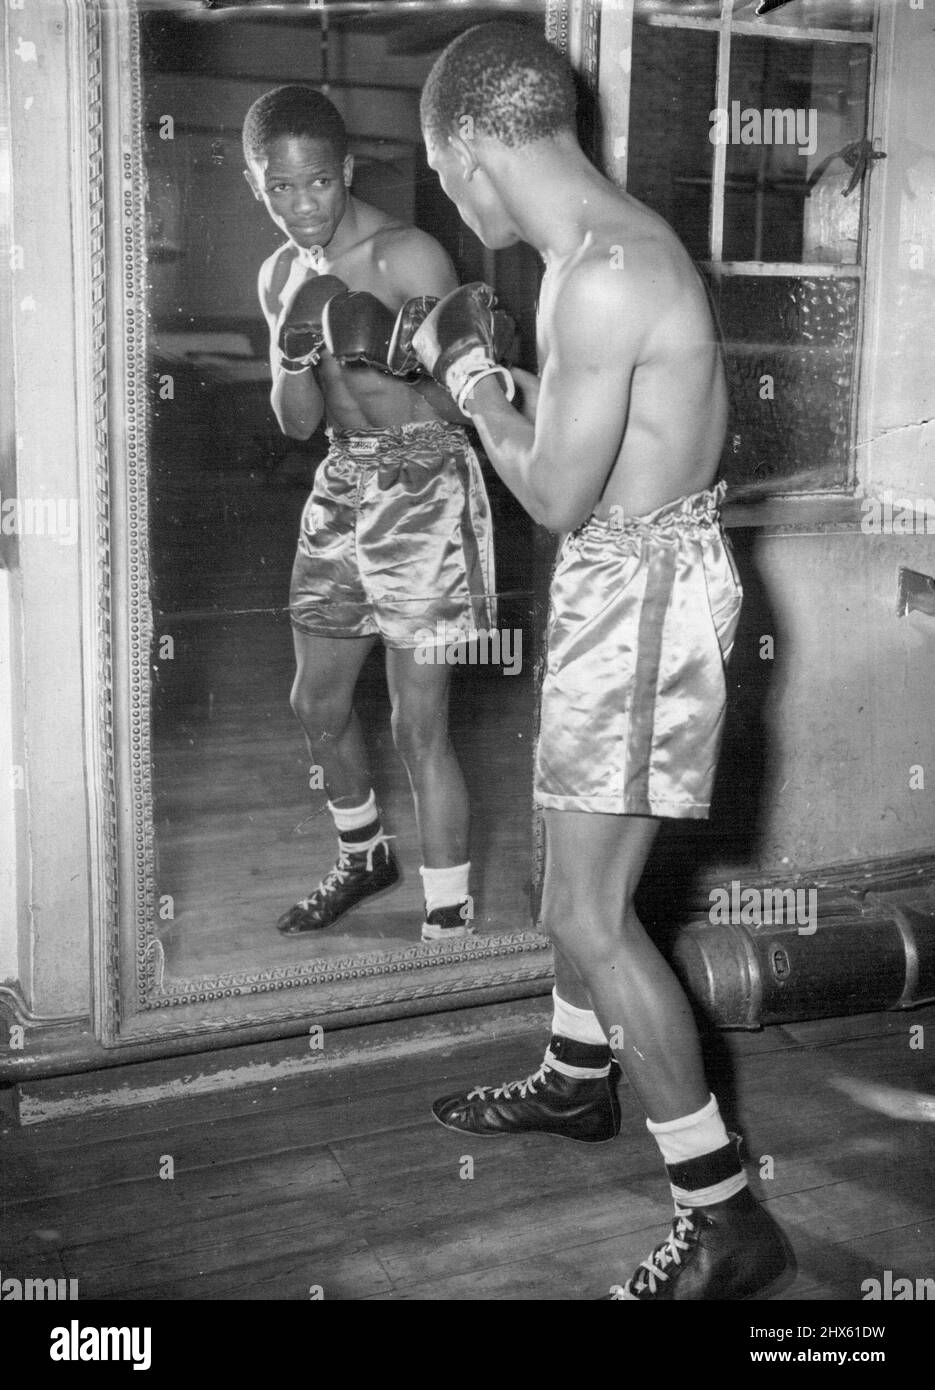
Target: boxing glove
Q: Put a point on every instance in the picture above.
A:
(301, 336)
(504, 333)
(358, 328)
(403, 358)
(456, 342)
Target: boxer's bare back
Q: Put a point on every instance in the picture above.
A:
(630, 406)
(629, 304)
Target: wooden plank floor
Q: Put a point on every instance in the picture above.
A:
(240, 837)
(344, 1181)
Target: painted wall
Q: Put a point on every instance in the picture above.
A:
(825, 738)
(9, 790)
(852, 700)
(900, 439)
(47, 925)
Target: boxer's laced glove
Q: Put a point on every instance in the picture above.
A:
(457, 342)
(403, 358)
(301, 336)
(295, 366)
(358, 328)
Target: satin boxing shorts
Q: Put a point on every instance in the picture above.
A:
(642, 619)
(395, 538)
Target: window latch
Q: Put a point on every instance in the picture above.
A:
(857, 156)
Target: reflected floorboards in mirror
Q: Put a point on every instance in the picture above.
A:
(240, 837)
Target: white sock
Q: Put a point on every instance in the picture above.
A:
(354, 817)
(578, 1024)
(691, 1136)
(695, 1137)
(709, 1196)
(446, 887)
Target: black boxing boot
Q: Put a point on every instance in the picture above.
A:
(356, 875)
(553, 1100)
(731, 1250)
(448, 923)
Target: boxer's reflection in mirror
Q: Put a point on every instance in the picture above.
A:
(396, 535)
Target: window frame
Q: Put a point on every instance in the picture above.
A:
(835, 504)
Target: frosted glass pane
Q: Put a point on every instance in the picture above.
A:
(790, 348)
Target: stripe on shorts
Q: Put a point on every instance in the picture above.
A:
(660, 580)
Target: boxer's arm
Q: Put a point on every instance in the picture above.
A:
(528, 398)
(440, 401)
(295, 398)
(558, 466)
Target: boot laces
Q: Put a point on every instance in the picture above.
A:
(511, 1090)
(337, 876)
(655, 1271)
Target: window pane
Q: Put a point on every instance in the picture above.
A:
(821, 14)
(790, 345)
(791, 106)
(853, 15)
(671, 157)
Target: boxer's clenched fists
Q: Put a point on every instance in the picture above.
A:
(301, 334)
(358, 328)
(458, 341)
(403, 358)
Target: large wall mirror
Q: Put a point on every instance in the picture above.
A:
(218, 830)
(209, 827)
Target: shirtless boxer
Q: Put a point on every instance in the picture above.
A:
(395, 536)
(616, 448)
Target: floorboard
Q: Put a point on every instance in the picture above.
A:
(343, 1181)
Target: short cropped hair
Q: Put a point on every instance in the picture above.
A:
(507, 79)
(292, 110)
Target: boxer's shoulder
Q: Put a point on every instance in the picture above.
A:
(402, 239)
(589, 301)
(413, 260)
(406, 260)
(656, 264)
(274, 273)
(624, 283)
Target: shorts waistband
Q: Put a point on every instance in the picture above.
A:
(698, 509)
(417, 434)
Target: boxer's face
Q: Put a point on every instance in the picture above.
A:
(304, 186)
(464, 180)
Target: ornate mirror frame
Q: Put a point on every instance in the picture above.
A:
(134, 998)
